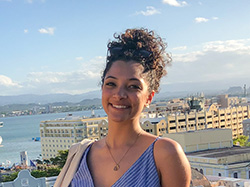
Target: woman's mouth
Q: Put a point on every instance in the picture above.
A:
(119, 106)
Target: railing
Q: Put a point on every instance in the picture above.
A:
(24, 179)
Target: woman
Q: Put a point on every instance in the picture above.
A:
(128, 156)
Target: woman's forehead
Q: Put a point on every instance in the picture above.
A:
(127, 69)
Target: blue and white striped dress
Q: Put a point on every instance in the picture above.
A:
(142, 173)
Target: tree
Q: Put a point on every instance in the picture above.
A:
(11, 177)
(46, 161)
(38, 161)
(53, 172)
(38, 173)
(60, 159)
(242, 141)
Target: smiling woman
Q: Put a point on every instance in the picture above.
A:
(128, 156)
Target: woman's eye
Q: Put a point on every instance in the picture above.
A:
(135, 87)
(110, 84)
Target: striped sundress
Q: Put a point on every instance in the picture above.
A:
(142, 173)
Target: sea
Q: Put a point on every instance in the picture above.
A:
(17, 134)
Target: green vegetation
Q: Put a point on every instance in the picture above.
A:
(47, 168)
(242, 141)
(60, 159)
(11, 177)
(46, 173)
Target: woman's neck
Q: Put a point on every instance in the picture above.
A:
(120, 134)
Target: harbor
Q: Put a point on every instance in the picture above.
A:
(17, 134)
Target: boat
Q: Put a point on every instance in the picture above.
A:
(1, 124)
(36, 139)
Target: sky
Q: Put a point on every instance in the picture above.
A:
(59, 46)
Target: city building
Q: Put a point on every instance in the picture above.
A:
(60, 134)
(226, 101)
(213, 117)
(212, 152)
(246, 127)
(193, 141)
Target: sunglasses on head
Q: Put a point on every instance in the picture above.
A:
(119, 50)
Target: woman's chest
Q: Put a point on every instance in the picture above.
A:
(107, 169)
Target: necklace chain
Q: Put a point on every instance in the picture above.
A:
(117, 164)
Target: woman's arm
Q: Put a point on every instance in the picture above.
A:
(172, 164)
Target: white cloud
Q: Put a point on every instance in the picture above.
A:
(201, 19)
(213, 61)
(175, 3)
(86, 78)
(181, 48)
(149, 12)
(218, 61)
(25, 31)
(187, 57)
(236, 46)
(79, 58)
(32, 1)
(49, 30)
(7, 82)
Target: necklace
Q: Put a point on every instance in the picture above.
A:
(117, 164)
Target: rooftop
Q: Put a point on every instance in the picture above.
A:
(222, 152)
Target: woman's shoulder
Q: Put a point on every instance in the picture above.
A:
(171, 163)
(166, 146)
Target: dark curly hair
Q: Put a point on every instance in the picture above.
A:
(141, 46)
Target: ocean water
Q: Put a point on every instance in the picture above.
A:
(17, 134)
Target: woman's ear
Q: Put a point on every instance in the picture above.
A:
(150, 98)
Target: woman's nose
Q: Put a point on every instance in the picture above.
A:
(120, 93)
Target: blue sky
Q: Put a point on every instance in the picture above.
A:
(52, 46)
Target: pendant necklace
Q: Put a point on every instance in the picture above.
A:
(117, 164)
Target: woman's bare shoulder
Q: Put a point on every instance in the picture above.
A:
(172, 163)
(167, 146)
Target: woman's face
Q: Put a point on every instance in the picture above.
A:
(125, 91)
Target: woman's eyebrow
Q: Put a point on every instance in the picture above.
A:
(110, 77)
(134, 79)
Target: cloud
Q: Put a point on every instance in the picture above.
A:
(187, 57)
(237, 46)
(180, 48)
(175, 3)
(7, 82)
(149, 12)
(49, 30)
(32, 1)
(201, 19)
(79, 58)
(218, 61)
(85, 78)
(25, 31)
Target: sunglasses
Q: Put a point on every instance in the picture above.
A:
(119, 50)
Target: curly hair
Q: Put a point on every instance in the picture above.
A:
(144, 47)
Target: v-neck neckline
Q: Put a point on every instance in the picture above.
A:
(125, 173)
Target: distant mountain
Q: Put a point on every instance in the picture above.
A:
(49, 98)
(166, 91)
(235, 90)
